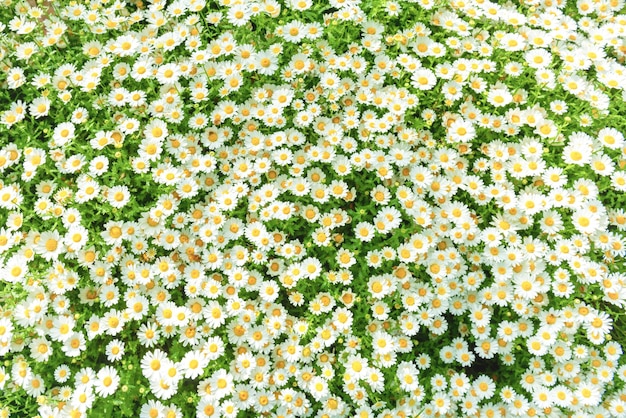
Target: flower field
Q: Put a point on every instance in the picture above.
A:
(302, 208)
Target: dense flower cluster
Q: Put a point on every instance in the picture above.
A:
(360, 208)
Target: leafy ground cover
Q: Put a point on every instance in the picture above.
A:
(319, 209)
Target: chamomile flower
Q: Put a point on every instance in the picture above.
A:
(50, 245)
(115, 350)
(499, 97)
(380, 195)
(149, 334)
(62, 373)
(15, 268)
(611, 138)
(538, 58)
(423, 79)
(98, 166)
(15, 78)
(39, 107)
(168, 73)
(63, 133)
(364, 231)
(461, 131)
(318, 387)
(41, 349)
